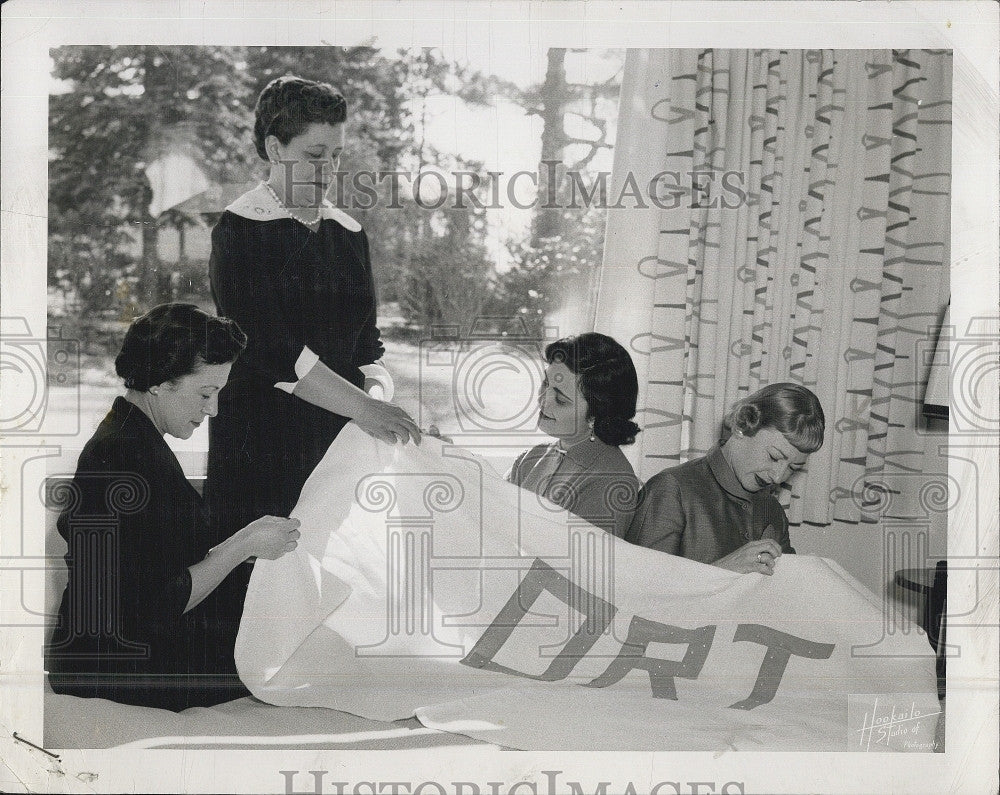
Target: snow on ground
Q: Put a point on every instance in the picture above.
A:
(482, 395)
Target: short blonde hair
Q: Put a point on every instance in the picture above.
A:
(786, 407)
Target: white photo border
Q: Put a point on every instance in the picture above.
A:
(970, 29)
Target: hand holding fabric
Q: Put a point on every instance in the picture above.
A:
(387, 422)
(754, 556)
(434, 431)
(269, 537)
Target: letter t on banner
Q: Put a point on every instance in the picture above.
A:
(780, 647)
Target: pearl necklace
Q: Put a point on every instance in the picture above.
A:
(312, 225)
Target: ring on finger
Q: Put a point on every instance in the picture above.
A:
(758, 558)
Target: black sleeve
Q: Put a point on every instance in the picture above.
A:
(245, 289)
(369, 347)
(128, 502)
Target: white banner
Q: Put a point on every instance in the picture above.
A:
(425, 584)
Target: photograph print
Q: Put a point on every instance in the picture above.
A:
(530, 434)
(598, 401)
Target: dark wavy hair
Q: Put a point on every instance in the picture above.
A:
(607, 381)
(289, 104)
(174, 340)
(789, 408)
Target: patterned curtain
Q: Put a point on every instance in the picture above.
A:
(783, 216)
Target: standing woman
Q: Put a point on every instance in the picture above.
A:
(295, 273)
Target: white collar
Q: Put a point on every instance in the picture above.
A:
(259, 205)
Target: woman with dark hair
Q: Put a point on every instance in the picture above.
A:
(294, 272)
(586, 402)
(133, 625)
(721, 508)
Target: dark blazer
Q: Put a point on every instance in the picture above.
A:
(133, 525)
(592, 480)
(699, 510)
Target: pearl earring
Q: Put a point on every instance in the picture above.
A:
(592, 437)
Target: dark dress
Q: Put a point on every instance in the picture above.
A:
(133, 525)
(298, 295)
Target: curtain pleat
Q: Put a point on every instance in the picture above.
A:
(801, 234)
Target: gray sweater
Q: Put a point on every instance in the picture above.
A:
(592, 480)
(699, 510)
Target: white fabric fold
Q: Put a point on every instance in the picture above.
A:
(306, 361)
(425, 584)
(378, 381)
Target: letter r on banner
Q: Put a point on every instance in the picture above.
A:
(641, 633)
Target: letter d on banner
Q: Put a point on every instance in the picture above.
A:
(542, 577)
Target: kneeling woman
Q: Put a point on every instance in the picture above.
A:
(721, 509)
(132, 624)
(587, 402)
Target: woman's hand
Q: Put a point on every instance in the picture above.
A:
(269, 537)
(387, 422)
(434, 431)
(755, 556)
